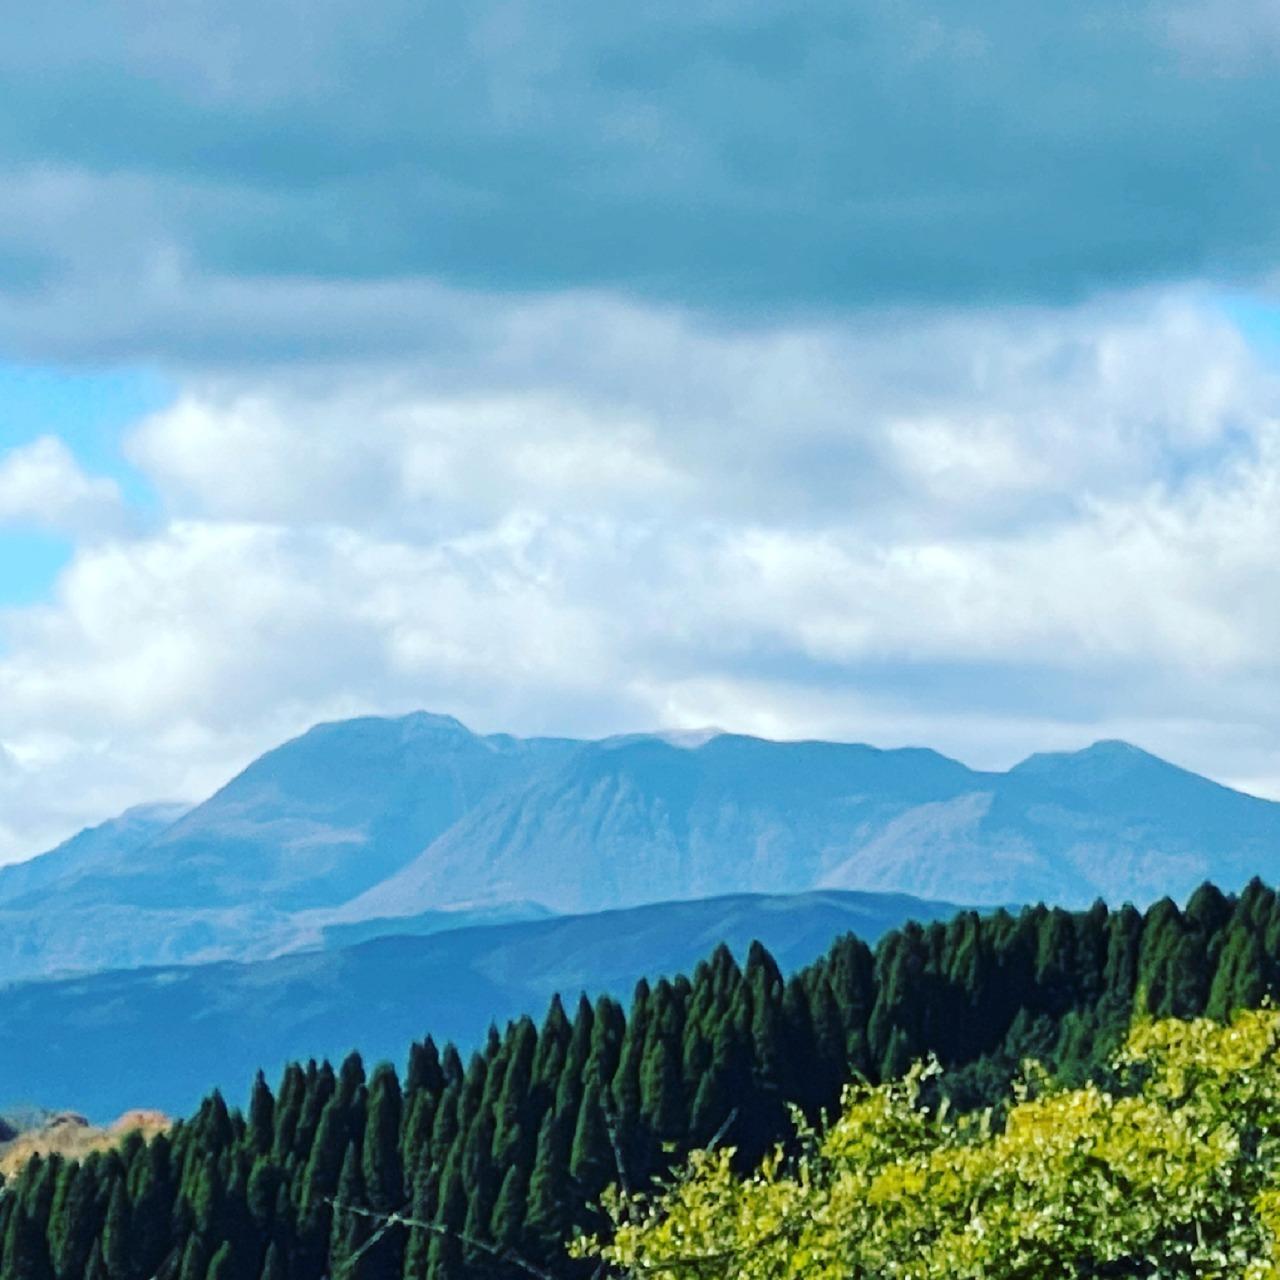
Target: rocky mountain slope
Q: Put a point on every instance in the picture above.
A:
(69, 1135)
(362, 822)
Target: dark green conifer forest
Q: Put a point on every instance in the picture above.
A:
(504, 1156)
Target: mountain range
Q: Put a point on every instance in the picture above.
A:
(171, 1033)
(413, 825)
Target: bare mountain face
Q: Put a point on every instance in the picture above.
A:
(631, 820)
(318, 820)
(363, 824)
(97, 848)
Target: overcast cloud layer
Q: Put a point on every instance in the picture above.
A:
(170, 168)
(855, 370)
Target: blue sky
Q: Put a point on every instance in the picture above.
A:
(90, 412)
(890, 372)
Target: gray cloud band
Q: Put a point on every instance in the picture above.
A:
(751, 159)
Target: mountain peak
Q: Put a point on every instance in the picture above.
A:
(681, 739)
(410, 724)
(1118, 773)
(1105, 755)
(433, 722)
(1115, 749)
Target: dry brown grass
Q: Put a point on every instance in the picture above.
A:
(73, 1137)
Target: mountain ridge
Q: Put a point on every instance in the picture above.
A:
(177, 1030)
(378, 819)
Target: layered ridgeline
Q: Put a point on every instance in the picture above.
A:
(507, 1153)
(361, 824)
(172, 1033)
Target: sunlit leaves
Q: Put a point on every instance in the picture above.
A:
(1175, 1173)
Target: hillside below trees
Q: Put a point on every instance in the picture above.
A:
(511, 1150)
(175, 1032)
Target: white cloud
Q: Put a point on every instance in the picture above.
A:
(372, 451)
(42, 484)
(1230, 37)
(591, 405)
(989, 534)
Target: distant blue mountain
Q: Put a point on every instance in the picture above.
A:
(318, 820)
(98, 847)
(374, 819)
(162, 1037)
(619, 822)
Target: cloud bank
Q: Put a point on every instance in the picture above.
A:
(991, 533)
(822, 369)
(43, 486)
(177, 189)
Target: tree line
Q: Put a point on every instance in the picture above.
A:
(501, 1160)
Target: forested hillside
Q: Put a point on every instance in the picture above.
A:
(504, 1155)
(179, 1031)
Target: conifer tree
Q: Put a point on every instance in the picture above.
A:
(507, 1227)
(512, 1105)
(426, 1192)
(447, 1123)
(565, 1089)
(349, 1230)
(212, 1128)
(320, 1088)
(273, 1264)
(262, 1193)
(324, 1166)
(591, 1162)
(203, 1190)
(445, 1256)
(95, 1268)
(420, 1109)
(1240, 980)
(551, 1048)
(220, 1265)
(288, 1111)
(26, 1251)
(73, 1223)
(41, 1181)
(351, 1080)
(262, 1109)
(424, 1071)
(548, 1193)
(451, 1065)
(381, 1161)
(195, 1260)
(115, 1234)
(151, 1192)
(661, 1086)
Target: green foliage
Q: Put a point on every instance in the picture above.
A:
(221, 1266)
(115, 1234)
(1176, 1173)
(515, 1149)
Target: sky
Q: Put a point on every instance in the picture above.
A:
(892, 371)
